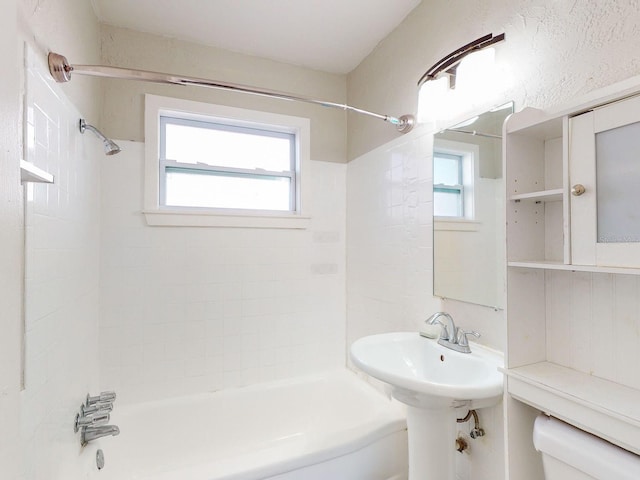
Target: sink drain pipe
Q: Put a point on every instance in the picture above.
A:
(477, 431)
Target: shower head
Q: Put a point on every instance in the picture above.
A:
(110, 147)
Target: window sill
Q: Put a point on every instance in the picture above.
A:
(189, 218)
(455, 224)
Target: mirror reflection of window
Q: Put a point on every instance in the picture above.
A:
(448, 190)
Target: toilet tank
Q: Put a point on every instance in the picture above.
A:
(572, 454)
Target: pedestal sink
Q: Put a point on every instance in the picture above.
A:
(432, 381)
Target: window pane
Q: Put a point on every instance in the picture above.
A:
(197, 189)
(246, 149)
(618, 177)
(447, 204)
(446, 170)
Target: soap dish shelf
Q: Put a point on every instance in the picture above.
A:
(30, 173)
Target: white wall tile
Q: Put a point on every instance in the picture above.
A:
(61, 288)
(196, 309)
(389, 247)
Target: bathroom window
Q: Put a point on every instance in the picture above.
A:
(212, 165)
(448, 186)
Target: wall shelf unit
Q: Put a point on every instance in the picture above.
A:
(555, 363)
(30, 173)
(607, 409)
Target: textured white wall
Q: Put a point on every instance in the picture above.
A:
(554, 51)
(189, 310)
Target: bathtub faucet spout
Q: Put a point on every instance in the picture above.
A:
(93, 433)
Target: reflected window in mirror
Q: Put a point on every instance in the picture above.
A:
(453, 180)
(448, 191)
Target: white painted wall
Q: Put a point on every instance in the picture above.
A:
(593, 325)
(189, 310)
(124, 101)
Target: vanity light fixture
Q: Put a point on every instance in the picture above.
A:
(447, 66)
(470, 68)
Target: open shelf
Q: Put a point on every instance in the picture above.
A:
(604, 408)
(554, 195)
(551, 265)
(30, 173)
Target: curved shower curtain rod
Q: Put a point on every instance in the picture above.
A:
(60, 70)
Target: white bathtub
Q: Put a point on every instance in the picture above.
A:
(331, 426)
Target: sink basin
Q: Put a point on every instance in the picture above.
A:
(423, 373)
(438, 385)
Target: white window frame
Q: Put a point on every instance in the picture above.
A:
(159, 215)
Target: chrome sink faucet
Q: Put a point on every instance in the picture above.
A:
(451, 336)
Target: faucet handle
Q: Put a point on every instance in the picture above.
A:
(445, 334)
(104, 397)
(96, 408)
(91, 420)
(463, 341)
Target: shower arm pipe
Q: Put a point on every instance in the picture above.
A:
(61, 70)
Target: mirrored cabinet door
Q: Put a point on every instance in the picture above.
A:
(604, 161)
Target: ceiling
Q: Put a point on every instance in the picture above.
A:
(328, 35)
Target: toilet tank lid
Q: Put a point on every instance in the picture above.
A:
(583, 451)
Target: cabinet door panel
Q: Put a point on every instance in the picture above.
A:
(605, 158)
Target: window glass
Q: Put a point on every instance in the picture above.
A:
(226, 166)
(225, 146)
(447, 169)
(447, 203)
(193, 188)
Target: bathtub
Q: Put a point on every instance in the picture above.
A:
(330, 426)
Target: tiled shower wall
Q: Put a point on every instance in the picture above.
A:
(390, 241)
(61, 281)
(188, 310)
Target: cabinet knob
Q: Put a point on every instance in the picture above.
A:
(577, 190)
